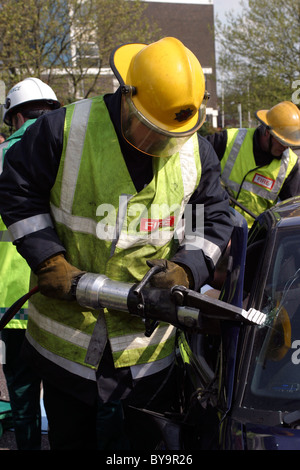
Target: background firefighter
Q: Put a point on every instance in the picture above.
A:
(25, 102)
(258, 166)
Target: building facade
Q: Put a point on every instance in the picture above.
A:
(192, 22)
(80, 71)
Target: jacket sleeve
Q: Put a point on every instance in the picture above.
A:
(291, 186)
(29, 171)
(219, 142)
(215, 233)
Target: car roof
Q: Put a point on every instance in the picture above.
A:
(286, 213)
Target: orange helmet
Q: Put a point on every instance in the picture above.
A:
(283, 122)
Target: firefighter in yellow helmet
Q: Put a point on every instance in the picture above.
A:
(258, 166)
(159, 110)
(108, 197)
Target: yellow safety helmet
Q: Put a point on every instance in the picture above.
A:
(283, 122)
(163, 88)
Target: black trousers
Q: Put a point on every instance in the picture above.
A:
(24, 387)
(74, 424)
(114, 425)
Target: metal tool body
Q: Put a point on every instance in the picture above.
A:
(179, 306)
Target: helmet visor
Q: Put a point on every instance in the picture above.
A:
(147, 137)
(288, 136)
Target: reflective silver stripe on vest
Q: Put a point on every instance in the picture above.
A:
(72, 367)
(233, 154)
(273, 193)
(143, 370)
(76, 138)
(58, 329)
(30, 225)
(121, 216)
(211, 250)
(195, 239)
(76, 223)
(188, 169)
(74, 148)
(5, 236)
(134, 341)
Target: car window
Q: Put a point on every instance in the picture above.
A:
(275, 370)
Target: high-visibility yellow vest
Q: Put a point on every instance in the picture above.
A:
(14, 270)
(257, 188)
(108, 228)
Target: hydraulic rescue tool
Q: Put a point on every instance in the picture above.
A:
(182, 307)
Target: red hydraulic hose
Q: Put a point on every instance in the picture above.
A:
(10, 313)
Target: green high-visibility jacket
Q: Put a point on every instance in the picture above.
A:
(108, 228)
(14, 270)
(257, 188)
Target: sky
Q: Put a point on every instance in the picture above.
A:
(223, 6)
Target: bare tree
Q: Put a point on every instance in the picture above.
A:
(67, 43)
(259, 53)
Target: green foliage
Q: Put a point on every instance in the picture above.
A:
(206, 129)
(5, 130)
(60, 41)
(259, 54)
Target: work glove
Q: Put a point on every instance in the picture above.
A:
(55, 276)
(171, 275)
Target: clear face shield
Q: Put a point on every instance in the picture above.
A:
(147, 137)
(288, 136)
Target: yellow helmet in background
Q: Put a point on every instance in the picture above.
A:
(283, 122)
(164, 88)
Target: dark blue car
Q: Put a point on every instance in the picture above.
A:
(238, 380)
(241, 383)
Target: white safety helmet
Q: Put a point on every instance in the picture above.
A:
(30, 89)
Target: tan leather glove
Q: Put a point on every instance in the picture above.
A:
(171, 275)
(55, 276)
